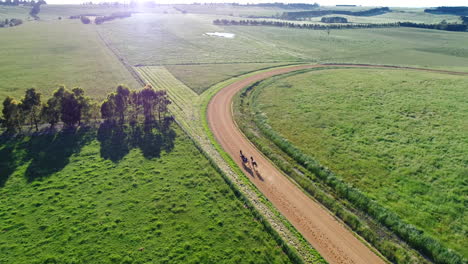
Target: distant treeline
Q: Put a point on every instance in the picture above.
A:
(73, 107)
(288, 6)
(101, 19)
(454, 10)
(317, 13)
(10, 22)
(334, 20)
(276, 5)
(226, 22)
(441, 26)
(448, 27)
(20, 2)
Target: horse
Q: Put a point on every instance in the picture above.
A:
(254, 163)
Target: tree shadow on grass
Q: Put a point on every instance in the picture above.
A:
(47, 153)
(51, 152)
(8, 163)
(117, 140)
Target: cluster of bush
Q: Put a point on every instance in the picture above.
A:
(334, 20)
(74, 108)
(416, 238)
(226, 22)
(85, 20)
(101, 19)
(317, 13)
(11, 22)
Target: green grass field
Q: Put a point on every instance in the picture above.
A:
(396, 135)
(148, 39)
(86, 209)
(46, 54)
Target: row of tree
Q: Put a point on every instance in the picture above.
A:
(101, 19)
(73, 107)
(441, 26)
(226, 22)
(11, 22)
(317, 13)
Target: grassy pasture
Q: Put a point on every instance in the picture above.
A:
(46, 54)
(397, 46)
(396, 135)
(148, 39)
(86, 209)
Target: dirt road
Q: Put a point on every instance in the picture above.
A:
(333, 241)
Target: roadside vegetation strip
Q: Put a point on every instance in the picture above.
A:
(417, 239)
(189, 110)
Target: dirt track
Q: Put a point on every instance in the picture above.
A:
(332, 240)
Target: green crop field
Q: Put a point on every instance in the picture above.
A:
(64, 202)
(398, 136)
(46, 54)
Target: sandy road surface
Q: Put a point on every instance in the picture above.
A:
(332, 240)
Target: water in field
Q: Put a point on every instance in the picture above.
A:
(222, 34)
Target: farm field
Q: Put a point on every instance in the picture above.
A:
(84, 208)
(64, 52)
(147, 39)
(395, 135)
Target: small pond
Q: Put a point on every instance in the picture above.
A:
(221, 34)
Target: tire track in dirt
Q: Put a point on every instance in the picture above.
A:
(323, 231)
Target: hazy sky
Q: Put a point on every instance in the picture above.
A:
(412, 3)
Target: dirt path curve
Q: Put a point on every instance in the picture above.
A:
(332, 240)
